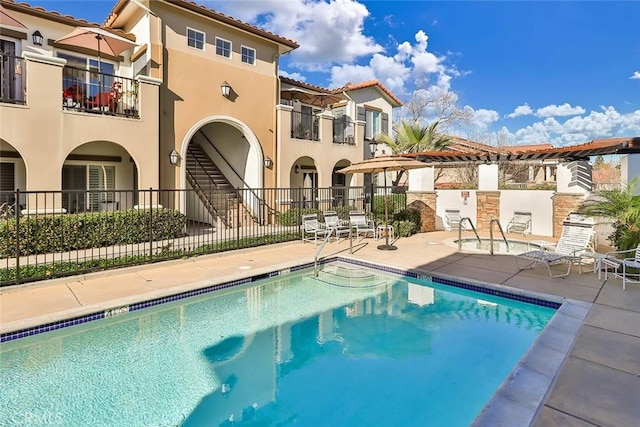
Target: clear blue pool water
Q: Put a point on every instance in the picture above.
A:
(290, 350)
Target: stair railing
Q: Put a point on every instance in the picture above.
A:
(261, 201)
(460, 232)
(496, 221)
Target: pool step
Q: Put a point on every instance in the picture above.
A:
(346, 276)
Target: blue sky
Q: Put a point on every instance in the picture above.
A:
(525, 72)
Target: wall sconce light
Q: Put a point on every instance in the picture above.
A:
(37, 38)
(268, 162)
(373, 146)
(225, 88)
(296, 169)
(174, 157)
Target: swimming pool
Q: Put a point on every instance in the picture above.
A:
(499, 246)
(287, 350)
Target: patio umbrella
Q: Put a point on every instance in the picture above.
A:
(324, 99)
(98, 40)
(384, 165)
(296, 93)
(7, 20)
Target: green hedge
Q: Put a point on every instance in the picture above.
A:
(58, 269)
(38, 234)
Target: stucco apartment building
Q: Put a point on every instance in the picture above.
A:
(194, 93)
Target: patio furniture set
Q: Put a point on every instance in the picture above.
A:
(358, 224)
(575, 245)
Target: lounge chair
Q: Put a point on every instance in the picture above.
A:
(337, 226)
(520, 223)
(452, 219)
(362, 225)
(573, 243)
(613, 259)
(312, 228)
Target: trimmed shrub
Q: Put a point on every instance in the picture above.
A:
(38, 234)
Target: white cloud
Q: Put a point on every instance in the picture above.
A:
(636, 75)
(559, 110)
(328, 32)
(295, 76)
(521, 110)
(597, 124)
(482, 118)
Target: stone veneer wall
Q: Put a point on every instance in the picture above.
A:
(488, 208)
(563, 205)
(426, 204)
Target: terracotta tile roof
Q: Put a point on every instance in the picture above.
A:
(52, 15)
(623, 145)
(369, 83)
(215, 15)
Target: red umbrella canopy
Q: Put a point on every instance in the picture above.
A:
(98, 40)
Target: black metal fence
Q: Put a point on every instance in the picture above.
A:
(60, 233)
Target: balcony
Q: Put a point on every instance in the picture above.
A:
(14, 80)
(304, 126)
(99, 93)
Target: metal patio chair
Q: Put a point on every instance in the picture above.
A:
(573, 243)
(614, 260)
(362, 225)
(337, 226)
(520, 223)
(312, 228)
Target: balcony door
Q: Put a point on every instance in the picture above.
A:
(87, 74)
(11, 72)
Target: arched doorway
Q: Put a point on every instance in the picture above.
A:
(222, 170)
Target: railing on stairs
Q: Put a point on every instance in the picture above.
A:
(209, 200)
(496, 221)
(261, 202)
(460, 232)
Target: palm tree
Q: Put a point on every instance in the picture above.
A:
(411, 137)
(622, 207)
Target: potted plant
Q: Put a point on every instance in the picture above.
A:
(130, 99)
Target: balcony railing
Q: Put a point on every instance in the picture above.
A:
(99, 93)
(343, 131)
(14, 79)
(304, 126)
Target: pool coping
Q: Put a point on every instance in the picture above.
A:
(517, 401)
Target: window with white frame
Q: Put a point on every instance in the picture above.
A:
(195, 39)
(248, 55)
(373, 124)
(223, 47)
(87, 186)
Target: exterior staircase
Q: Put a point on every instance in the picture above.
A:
(214, 190)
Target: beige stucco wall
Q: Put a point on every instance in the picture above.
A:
(191, 96)
(45, 135)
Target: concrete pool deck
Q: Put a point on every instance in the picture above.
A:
(598, 384)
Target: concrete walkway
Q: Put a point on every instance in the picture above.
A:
(597, 385)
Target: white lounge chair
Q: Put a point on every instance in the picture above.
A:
(452, 219)
(312, 228)
(613, 259)
(337, 226)
(573, 243)
(362, 225)
(520, 223)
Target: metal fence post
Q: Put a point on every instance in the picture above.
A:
(150, 223)
(16, 208)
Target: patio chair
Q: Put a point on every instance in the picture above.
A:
(362, 225)
(520, 223)
(337, 226)
(613, 259)
(312, 228)
(573, 243)
(452, 219)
